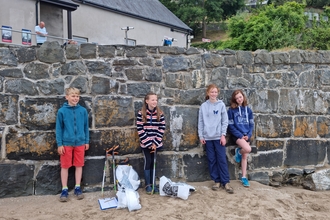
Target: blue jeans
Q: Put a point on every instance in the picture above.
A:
(217, 161)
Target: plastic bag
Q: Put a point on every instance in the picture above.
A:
(169, 188)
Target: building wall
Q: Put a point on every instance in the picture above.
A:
(95, 24)
(287, 91)
(104, 27)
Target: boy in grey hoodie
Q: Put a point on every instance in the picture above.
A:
(212, 129)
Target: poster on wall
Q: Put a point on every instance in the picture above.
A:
(6, 34)
(26, 37)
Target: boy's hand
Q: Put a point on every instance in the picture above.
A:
(60, 150)
(86, 146)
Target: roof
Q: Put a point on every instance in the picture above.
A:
(65, 4)
(149, 10)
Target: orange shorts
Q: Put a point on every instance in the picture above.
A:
(73, 156)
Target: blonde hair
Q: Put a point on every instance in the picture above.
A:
(72, 90)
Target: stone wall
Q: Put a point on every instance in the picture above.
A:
(289, 93)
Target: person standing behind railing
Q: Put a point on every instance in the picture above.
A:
(41, 33)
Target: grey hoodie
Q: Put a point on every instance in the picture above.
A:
(212, 120)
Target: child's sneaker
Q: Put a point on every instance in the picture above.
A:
(78, 193)
(245, 182)
(238, 156)
(64, 195)
(148, 189)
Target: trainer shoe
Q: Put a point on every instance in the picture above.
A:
(78, 193)
(245, 182)
(238, 156)
(228, 188)
(148, 189)
(216, 186)
(64, 195)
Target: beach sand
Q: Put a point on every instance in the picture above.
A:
(256, 202)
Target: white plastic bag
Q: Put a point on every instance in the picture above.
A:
(133, 202)
(169, 188)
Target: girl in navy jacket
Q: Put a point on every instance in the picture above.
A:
(240, 125)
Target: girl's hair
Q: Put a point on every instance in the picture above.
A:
(233, 103)
(208, 89)
(145, 106)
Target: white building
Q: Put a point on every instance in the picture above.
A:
(96, 21)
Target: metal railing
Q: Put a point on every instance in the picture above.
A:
(53, 38)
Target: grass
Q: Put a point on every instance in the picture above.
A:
(213, 35)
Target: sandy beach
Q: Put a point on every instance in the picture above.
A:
(257, 202)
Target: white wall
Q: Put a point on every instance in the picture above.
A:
(18, 14)
(104, 27)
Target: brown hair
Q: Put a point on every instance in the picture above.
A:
(145, 105)
(208, 89)
(233, 103)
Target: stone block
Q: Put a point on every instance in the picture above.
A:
(31, 146)
(101, 85)
(154, 75)
(263, 57)
(172, 50)
(213, 60)
(196, 168)
(139, 90)
(305, 126)
(36, 71)
(124, 62)
(174, 64)
(219, 76)
(108, 117)
(51, 52)
(271, 126)
(149, 61)
(264, 101)
(26, 54)
(182, 135)
(21, 86)
(107, 51)
(244, 57)
(88, 50)
(191, 97)
(134, 74)
(137, 52)
(52, 87)
(12, 73)
(72, 51)
(99, 67)
(48, 180)
(295, 56)
(270, 145)
(267, 160)
(16, 180)
(39, 113)
(7, 57)
(127, 139)
(305, 152)
(74, 68)
(80, 83)
(260, 177)
(280, 57)
(192, 50)
(9, 109)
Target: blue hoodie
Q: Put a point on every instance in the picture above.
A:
(212, 120)
(240, 121)
(72, 126)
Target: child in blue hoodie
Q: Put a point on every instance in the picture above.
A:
(212, 129)
(72, 137)
(241, 126)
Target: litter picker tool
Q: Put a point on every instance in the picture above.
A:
(104, 171)
(113, 152)
(154, 172)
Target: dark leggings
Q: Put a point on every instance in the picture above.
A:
(148, 159)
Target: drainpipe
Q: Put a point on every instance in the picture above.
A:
(37, 12)
(69, 24)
